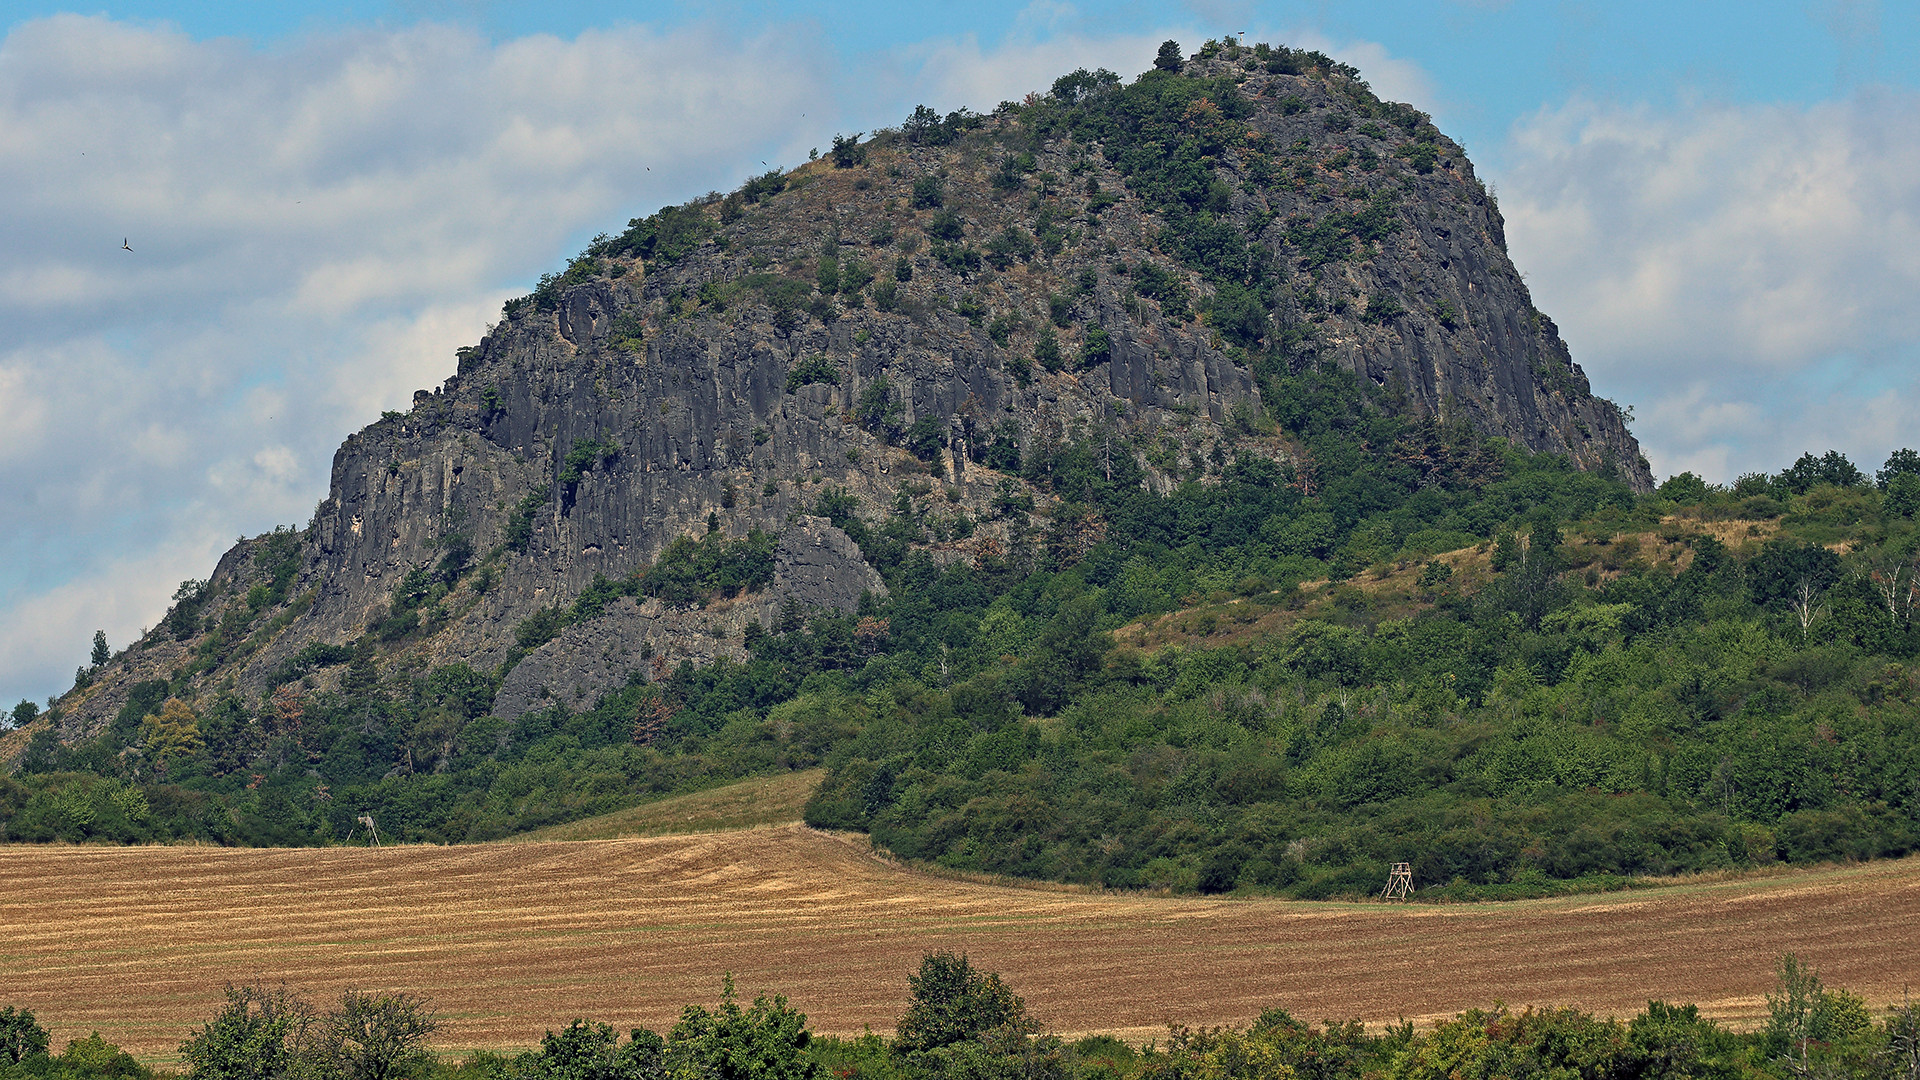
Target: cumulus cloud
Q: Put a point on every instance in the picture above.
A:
(1742, 274)
(315, 228)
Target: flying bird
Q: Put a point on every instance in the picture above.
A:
(123, 244)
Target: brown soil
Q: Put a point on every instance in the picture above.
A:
(511, 939)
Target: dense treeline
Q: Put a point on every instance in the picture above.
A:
(964, 1023)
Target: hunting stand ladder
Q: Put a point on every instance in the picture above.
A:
(1399, 882)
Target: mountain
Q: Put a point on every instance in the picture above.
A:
(1158, 484)
(933, 306)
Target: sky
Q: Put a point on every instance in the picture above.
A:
(232, 233)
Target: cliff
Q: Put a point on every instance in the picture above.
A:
(902, 327)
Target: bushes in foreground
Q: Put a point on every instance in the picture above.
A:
(964, 1024)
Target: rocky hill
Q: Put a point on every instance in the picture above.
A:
(742, 396)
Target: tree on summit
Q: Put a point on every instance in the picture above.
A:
(1169, 58)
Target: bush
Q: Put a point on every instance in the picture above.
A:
(847, 151)
(817, 369)
(21, 1036)
(928, 193)
(255, 1036)
(1046, 350)
(950, 1002)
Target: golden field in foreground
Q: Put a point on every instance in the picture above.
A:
(510, 939)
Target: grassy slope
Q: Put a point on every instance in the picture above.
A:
(763, 800)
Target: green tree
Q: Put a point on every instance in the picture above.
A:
(372, 1037)
(254, 1037)
(1046, 349)
(1169, 57)
(1801, 1011)
(101, 654)
(764, 1041)
(587, 1050)
(952, 1002)
(21, 1037)
(94, 1056)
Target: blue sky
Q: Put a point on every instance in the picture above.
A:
(1718, 202)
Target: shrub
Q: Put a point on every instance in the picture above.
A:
(947, 225)
(847, 151)
(21, 1037)
(817, 369)
(1046, 349)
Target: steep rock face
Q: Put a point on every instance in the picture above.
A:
(816, 566)
(723, 366)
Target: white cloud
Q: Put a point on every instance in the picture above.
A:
(315, 229)
(317, 226)
(1392, 78)
(949, 73)
(1744, 274)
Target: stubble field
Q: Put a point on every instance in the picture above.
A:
(510, 939)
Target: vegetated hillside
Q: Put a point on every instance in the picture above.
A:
(1060, 569)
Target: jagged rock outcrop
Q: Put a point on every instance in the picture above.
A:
(816, 567)
(899, 329)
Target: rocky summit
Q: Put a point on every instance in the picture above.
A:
(715, 419)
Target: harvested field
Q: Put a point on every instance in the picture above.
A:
(510, 939)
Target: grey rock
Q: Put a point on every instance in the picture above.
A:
(704, 429)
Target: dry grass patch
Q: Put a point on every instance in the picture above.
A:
(511, 939)
(763, 800)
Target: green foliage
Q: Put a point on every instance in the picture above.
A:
(94, 1056)
(587, 1050)
(21, 1036)
(586, 455)
(692, 570)
(183, 620)
(371, 1036)
(1097, 348)
(1081, 85)
(628, 334)
(676, 231)
(847, 152)
(518, 532)
(1046, 350)
(101, 654)
(1808, 472)
(546, 295)
(764, 1041)
(946, 225)
(256, 1036)
(688, 572)
(949, 1002)
(1802, 1011)
(928, 193)
(1382, 308)
(877, 410)
(817, 369)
